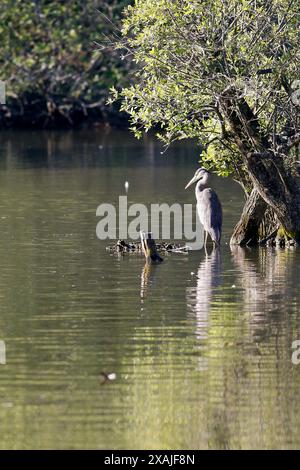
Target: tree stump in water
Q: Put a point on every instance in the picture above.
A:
(149, 248)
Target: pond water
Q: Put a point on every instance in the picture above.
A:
(201, 346)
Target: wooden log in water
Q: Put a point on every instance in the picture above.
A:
(149, 248)
(135, 247)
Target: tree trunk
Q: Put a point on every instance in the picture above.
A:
(246, 231)
(278, 189)
(270, 178)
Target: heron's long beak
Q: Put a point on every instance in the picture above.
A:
(193, 180)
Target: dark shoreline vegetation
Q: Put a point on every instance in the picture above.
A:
(56, 74)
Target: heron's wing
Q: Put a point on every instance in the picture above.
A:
(210, 212)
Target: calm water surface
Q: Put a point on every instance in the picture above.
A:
(201, 346)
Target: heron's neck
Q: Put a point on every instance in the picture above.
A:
(200, 186)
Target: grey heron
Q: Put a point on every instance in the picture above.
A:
(208, 206)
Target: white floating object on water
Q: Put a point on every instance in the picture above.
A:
(233, 286)
(112, 376)
(126, 186)
(106, 377)
(192, 274)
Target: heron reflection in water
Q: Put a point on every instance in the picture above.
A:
(199, 298)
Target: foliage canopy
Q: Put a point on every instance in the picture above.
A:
(191, 52)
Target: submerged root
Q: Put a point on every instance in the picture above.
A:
(279, 237)
(272, 232)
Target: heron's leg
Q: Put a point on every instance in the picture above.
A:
(205, 241)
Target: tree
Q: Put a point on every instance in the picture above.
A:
(225, 73)
(54, 72)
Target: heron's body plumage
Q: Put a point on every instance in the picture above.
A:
(210, 212)
(208, 206)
